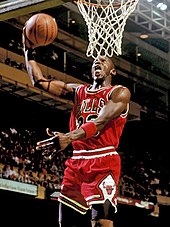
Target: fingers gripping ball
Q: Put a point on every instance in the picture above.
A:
(41, 29)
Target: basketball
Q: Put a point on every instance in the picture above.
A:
(41, 29)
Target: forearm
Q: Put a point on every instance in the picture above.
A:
(77, 134)
(32, 67)
(54, 87)
(86, 130)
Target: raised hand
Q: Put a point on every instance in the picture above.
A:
(26, 42)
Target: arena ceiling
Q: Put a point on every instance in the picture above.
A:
(146, 15)
(146, 19)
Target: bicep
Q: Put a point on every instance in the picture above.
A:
(110, 111)
(113, 108)
(59, 88)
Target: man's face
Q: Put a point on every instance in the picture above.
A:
(101, 68)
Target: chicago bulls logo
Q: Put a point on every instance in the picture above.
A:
(108, 187)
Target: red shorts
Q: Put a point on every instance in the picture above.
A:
(90, 180)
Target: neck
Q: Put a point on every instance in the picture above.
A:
(100, 83)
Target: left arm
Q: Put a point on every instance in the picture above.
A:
(113, 108)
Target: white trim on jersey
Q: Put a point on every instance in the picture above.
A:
(95, 150)
(93, 156)
(96, 153)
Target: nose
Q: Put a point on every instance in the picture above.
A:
(98, 61)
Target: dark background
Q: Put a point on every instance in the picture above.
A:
(20, 210)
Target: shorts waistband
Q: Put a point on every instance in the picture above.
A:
(96, 153)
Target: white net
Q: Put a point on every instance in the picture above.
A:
(105, 20)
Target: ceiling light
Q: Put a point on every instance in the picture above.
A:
(139, 54)
(73, 21)
(144, 36)
(161, 6)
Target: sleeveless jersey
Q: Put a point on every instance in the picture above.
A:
(88, 104)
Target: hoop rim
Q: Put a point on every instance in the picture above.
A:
(100, 5)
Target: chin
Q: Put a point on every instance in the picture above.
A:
(99, 80)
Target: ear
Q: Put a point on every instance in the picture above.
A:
(113, 72)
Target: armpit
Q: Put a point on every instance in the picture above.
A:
(70, 95)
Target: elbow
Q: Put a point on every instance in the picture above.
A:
(100, 125)
(37, 84)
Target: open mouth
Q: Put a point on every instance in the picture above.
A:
(97, 68)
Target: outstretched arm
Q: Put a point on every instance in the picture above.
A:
(55, 87)
(117, 105)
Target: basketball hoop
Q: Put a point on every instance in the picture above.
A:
(105, 20)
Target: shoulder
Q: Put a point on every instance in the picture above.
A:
(73, 86)
(81, 87)
(120, 93)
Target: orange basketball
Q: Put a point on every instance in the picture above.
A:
(41, 29)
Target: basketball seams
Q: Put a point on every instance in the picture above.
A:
(47, 30)
(36, 29)
(50, 34)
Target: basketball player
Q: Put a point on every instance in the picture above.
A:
(98, 117)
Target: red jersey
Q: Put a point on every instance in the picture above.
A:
(88, 104)
(92, 173)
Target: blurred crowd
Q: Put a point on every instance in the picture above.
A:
(20, 161)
